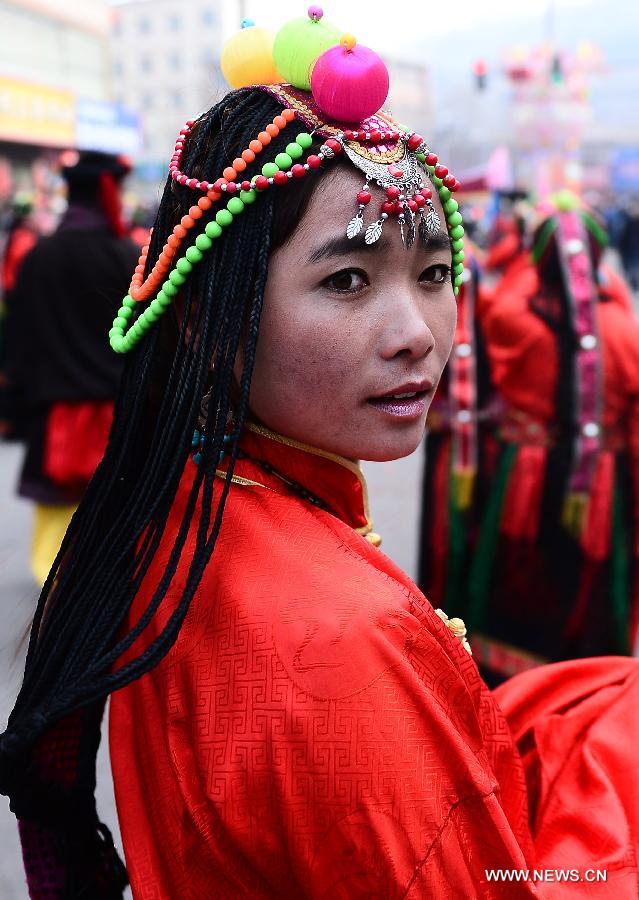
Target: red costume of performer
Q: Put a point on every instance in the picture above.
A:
(532, 564)
(316, 730)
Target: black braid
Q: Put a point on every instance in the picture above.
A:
(77, 637)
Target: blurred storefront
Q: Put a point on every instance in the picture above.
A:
(55, 95)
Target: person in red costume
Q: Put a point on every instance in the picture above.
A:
(290, 716)
(542, 560)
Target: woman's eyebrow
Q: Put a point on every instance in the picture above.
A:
(344, 246)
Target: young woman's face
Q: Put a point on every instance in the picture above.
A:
(353, 338)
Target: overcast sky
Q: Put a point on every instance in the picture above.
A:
(390, 27)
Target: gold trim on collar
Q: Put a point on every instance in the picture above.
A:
(325, 454)
(237, 479)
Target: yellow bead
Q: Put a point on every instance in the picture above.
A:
(347, 41)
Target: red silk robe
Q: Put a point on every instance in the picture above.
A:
(316, 730)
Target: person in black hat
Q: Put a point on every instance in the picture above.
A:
(62, 373)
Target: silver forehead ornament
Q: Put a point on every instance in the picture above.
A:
(407, 195)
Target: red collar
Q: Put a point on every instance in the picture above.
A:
(336, 481)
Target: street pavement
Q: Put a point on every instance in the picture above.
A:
(394, 497)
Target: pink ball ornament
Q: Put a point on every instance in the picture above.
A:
(349, 82)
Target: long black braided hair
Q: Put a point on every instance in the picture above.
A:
(47, 754)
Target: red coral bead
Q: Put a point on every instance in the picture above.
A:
(414, 141)
(298, 171)
(349, 135)
(419, 200)
(412, 204)
(261, 183)
(364, 197)
(246, 185)
(431, 159)
(217, 186)
(376, 136)
(392, 192)
(427, 193)
(280, 178)
(335, 146)
(231, 187)
(456, 186)
(449, 180)
(389, 207)
(441, 171)
(314, 161)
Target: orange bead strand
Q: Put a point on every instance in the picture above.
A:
(142, 291)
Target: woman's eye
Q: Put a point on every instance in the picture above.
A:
(436, 274)
(348, 281)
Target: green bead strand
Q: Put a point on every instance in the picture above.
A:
(269, 169)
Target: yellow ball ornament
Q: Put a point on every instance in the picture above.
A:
(247, 57)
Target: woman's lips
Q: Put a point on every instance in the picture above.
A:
(411, 407)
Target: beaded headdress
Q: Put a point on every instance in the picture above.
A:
(336, 88)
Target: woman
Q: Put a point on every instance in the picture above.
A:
(290, 716)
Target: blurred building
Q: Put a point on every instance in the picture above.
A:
(55, 91)
(166, 67)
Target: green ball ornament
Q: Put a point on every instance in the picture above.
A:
(283, 161)
(119, 322)
(235, 206)
(457, 232)
(203, 242)
(269, 169)
(223, 218)
(451, 206)
(213, 230)
(125, 313)
(304, 140)
(129, 301)
(444, 192)
(247, 197)
(169, 289)
(455, 219)
(193, 255)
(297, 46)
(177, 278)
(156, 306)
(183, 266)
(294, 150)
(457, 245)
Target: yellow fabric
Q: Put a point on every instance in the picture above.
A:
(49, 527)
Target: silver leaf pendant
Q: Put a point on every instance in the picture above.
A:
(423, 231)
(355, 225)
(410, 236)
(433, 222)
(401, 230)
(373, 232)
